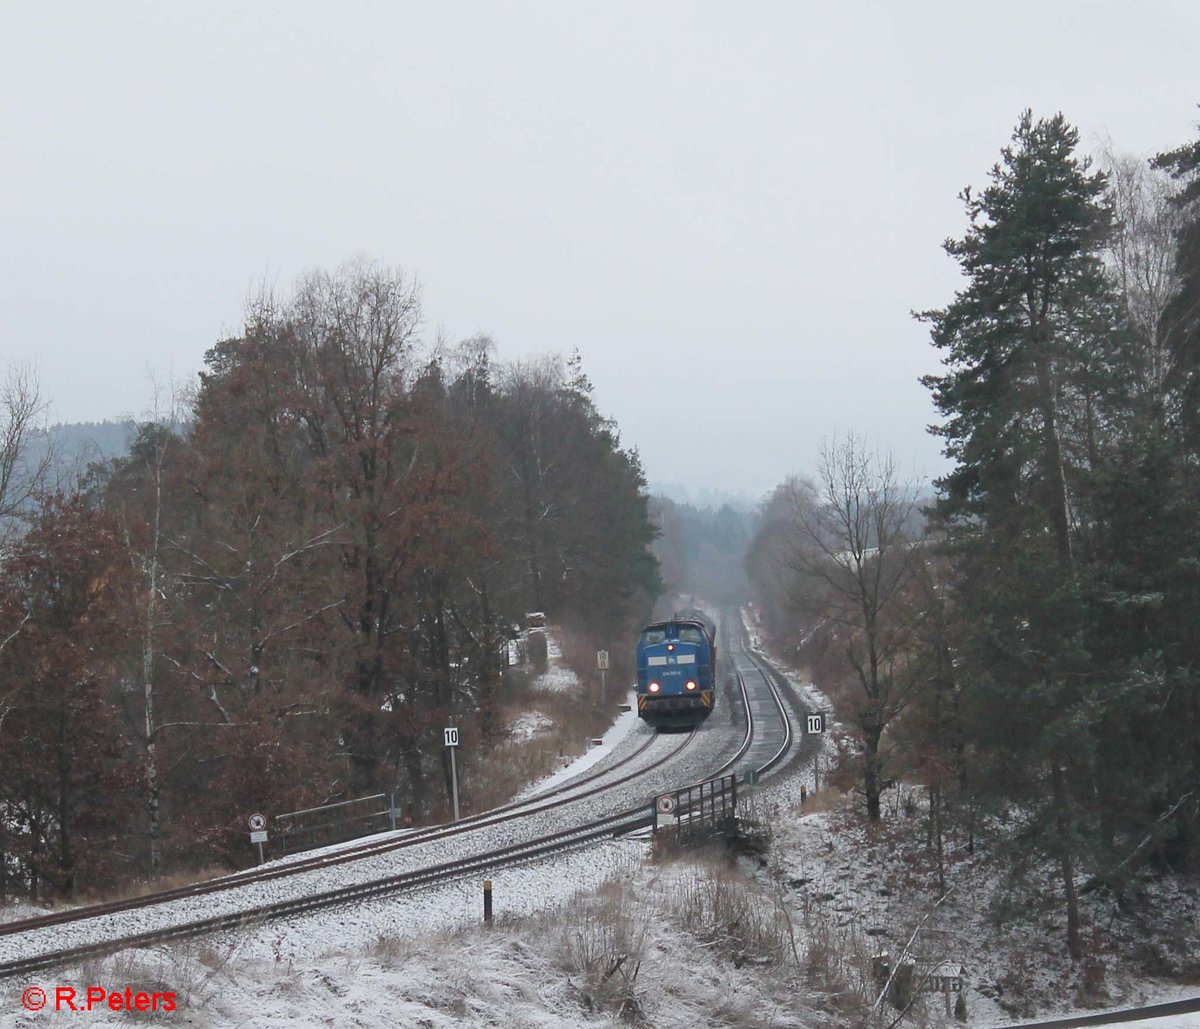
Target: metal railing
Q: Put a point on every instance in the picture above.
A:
(703, 811)
(333, 823)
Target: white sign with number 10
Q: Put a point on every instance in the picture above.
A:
(450, 736)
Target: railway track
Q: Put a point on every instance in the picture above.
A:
(566, 794)
(767, 739)
(1141, 1014)
(769, 732)
(548, 800)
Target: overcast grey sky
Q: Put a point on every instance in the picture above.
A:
(729, 209)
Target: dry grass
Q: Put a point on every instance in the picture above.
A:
(837, 960)
(603, 941)
(828, 798)
(494, 776)
(168, 881)
(193, 970)
(131, 891)
(746, 922)
(398, 951)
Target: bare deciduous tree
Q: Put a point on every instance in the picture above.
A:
(23, 466)
(853, 548)
(1141, 254)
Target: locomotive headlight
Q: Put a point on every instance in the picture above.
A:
(670, 646)
(691, 685)
(654, 687)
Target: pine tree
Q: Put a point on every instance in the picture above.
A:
(1182, 317)
(1027, 398)
(1021, 340)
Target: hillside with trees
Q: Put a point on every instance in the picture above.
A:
(1027, 652)
(292, 580)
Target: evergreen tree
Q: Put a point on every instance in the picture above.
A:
(1027, 341)
(1182, 317)
(1028, 400)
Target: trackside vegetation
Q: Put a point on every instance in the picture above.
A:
(1023, 642)
(301, 571)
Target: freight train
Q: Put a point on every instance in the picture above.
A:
(677, 670)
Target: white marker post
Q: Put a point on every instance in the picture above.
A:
(450, 738)
(602, 664)
(816, 726)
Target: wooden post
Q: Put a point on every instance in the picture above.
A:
(487, 902)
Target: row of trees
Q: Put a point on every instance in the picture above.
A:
(1032, 652)
(700, 551)
(286, 588)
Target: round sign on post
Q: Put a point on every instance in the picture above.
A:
(257, 822)
(666, 805)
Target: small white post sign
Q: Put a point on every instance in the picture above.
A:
(450, 737)
(602, 660)
(816, 723)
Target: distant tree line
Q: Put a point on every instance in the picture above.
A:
(288, 585)
(1030, 651)
(701, 551)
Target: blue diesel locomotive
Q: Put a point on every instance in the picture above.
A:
(676, 666)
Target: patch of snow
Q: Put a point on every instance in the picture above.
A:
(873, 886)
(558, 676)
(626, 723)
(528, 725)
(425, 960)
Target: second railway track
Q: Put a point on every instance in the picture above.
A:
(65, 937)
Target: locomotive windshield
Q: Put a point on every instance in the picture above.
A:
(683, 633)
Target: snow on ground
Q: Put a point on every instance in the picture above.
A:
(626, 725)
(574, 939)
(17, 910)
(872, 888)
(528, 725)
(806, 691)
(713, 742)
(557, 676)
(689, 766)
(553, 958)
